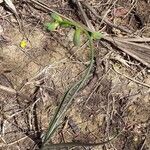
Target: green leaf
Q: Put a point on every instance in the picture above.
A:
(77, 37)
(96, 35)
(52, 26)
(64, 24)
(56, 17)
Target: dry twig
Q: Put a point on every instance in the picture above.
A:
(136, 81)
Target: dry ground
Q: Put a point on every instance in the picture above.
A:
(111, 102)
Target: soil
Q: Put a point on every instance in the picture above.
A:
(110, 103)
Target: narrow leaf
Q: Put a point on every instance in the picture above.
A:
(56, 17)
(97, 35)
(77, 37)
(64, 24)
(52, 26)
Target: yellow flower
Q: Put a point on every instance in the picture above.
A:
(23, 44)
